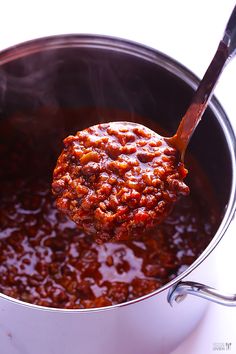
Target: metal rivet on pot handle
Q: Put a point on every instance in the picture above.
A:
(182, 289)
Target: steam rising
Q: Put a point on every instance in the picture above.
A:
(74, 78)
(38, 90)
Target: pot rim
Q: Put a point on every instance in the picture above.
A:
(156, 57)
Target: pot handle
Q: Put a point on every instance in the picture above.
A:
(179, 292)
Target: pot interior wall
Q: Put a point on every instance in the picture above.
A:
(36, 91)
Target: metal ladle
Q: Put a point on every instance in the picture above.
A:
(225, 51)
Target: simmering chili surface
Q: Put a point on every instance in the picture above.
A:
(118, 180)
(46, 260)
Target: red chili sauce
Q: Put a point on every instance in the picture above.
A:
(117, 181)
(46, 260)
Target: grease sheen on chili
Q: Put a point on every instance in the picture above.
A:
(46, 260)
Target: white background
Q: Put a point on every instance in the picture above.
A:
(188, 31)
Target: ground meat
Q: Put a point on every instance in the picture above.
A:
(117, 180)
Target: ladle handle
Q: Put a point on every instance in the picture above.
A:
(225, 51)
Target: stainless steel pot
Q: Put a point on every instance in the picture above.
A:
(79, 70)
